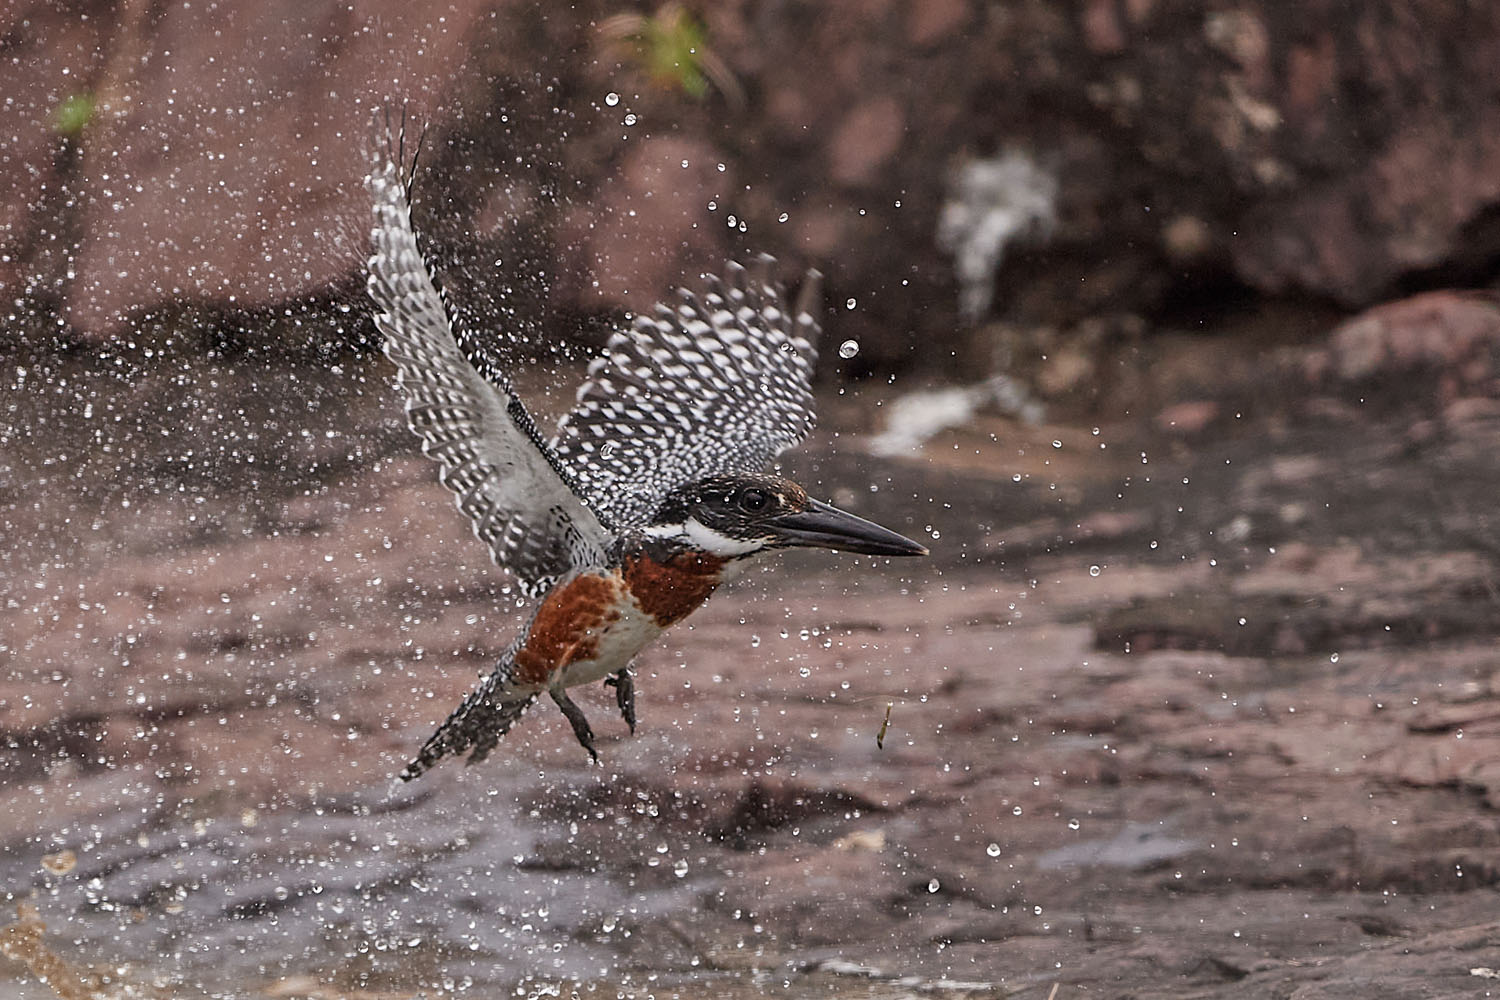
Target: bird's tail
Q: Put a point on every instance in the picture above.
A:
(475, 726)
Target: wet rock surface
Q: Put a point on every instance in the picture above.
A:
(1203, 716)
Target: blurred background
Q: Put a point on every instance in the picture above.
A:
(980, 178)
(1169, 327)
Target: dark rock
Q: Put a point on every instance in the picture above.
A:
(1311, 150)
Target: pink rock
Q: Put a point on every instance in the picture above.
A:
(867, 138)
(935, 20)
(1102, 31)
(650, 226)
(234, 163)
(1189, 417)
(1312, 72)
(1437, 330)
(223, 165)
(1471, 409)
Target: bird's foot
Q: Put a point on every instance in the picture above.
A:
(575, 717)
(624, 684)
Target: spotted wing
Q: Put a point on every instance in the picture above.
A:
(505, 477)
(719, 383)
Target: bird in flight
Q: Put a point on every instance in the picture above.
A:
(652, 491)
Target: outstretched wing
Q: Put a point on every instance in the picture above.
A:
(519, 496)
(717, 384)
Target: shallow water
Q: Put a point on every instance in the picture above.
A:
(1177, 716)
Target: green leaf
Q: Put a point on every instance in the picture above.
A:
(74, 113)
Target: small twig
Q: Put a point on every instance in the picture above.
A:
(23, 941)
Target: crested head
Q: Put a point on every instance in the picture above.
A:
(736, 516)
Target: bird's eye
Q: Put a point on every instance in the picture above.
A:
(754, 500)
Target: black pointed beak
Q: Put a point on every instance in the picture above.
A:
(825, 526)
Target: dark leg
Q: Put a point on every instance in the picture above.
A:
(624, 685)
(576, 720)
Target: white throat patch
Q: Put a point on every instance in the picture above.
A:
(700, 536)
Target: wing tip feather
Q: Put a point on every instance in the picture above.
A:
(809, 307)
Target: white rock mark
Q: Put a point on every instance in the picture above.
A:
(992, 204)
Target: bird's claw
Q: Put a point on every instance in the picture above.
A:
(581, 728)
(624, 684)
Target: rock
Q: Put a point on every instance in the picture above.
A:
(1310, 151)
(1451, 338)
(1187, 239)
(1189, 417)
(1242, 35)
(211, 195)
(1471, 409)
(1293, 793)
(868, 137)
(1102, 31)
(650, 227)
(934, 22)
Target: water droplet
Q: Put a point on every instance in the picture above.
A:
(611, 98)
(1094, 571)
(934, 885)
(993, 850)
(680, 869)
(848, 349)
(630, 119)
(850, 303)
(1333, 657)
(782, 217)
(1073, 824)
(1057, 444)
(1016, 811)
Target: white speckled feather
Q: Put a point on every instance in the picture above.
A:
(718, 384)
(505, 478)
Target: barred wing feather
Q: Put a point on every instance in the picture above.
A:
(715, 384)
(504, 476)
